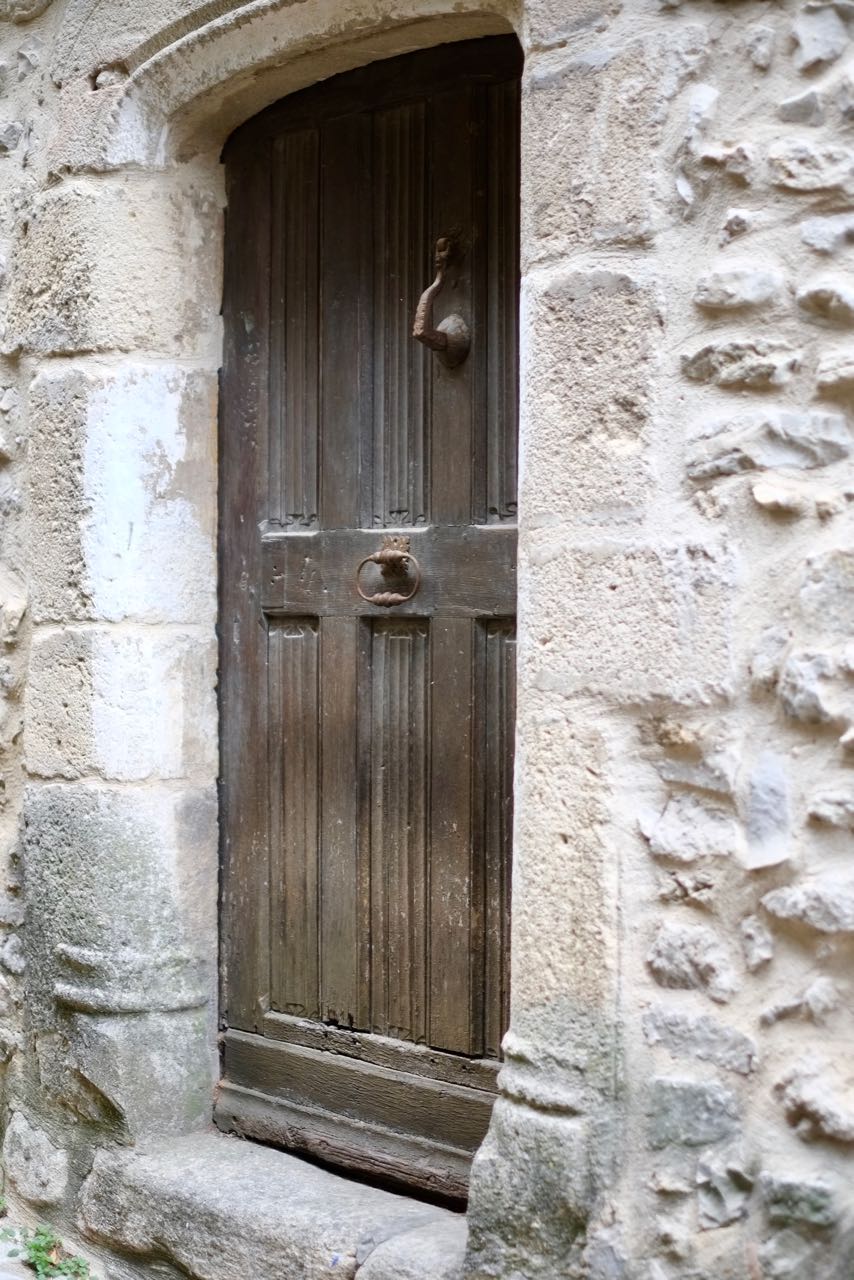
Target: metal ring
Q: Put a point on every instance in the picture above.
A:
(388, 598)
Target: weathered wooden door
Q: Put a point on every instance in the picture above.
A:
(367, 746)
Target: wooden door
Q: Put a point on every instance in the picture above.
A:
(367, 747)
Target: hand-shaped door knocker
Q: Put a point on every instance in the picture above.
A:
(395, 560)
(451, 339)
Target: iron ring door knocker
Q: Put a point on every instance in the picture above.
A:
(394, 558)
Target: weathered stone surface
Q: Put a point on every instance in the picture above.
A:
(724, 1187)
(835, 373)
(37, 1169)
(10, 135)
(432, 1252)
(593, 460)
(685, 1036)
(688, 829)
(807, 688)
(759, 43)
(803, 108)
(757, 364)
(692, 956)
(833, 810)
(768, 832)
(690, 1113)
(114, 704)
(818, 1102)
(776, 438)
(827, 596)
(735, 286)
(531, 1192)
(828, 234)
(827, 906)
(795, 1201)
(214, 1205)
(821, 998)
(127, 938)
(821, 38)
(122, 497)
(23, 10)
(829, 298)
(81, 277)
(779, 498)
(797, 164)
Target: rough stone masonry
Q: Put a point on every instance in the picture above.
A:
(678, 1091)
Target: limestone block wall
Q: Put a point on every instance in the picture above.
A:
(678, 1096)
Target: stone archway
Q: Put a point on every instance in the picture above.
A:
(116, 307)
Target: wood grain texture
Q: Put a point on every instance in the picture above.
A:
(293, 765)
(401, 463)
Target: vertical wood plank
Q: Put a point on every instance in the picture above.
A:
(458, 406)
(293, 768)
(346, 322)
(502, 361)
(400, 372)
(244, 435)
(294, 353)
(451, 995)
(399, 828)
(496, 742)
(345, 855)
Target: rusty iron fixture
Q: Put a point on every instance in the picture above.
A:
(451, 339)
(394, 559)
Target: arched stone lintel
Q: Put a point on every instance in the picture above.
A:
(189, 97)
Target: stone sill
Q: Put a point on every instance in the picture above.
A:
(219, 1208)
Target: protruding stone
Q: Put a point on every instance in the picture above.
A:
(817, 1102)
(756, 364)
(715, 771)
(829, 298)
(798, 1201)
(36, 1168)
(803, 108)
(833, 810)
(835, 373)
(803, 684)
(817, 1002)
(737, 223)
(828, 235)
(687, 829)
(23, 10)
(685, 1036)
(691, 1113)
(12, 957)
(756, 943)
(825, 905)
(776, 438)
(768, 840)
(29, 56)
(827, 597)
(738, 286)
(724, 1186)
(10, 136)
(759, 44)
(695, 889)
(788, 1256)
(821, 38)
(692, 956)
(800, 165)
(779, 498)
(767, 661)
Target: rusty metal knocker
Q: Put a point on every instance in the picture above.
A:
(451, 339)
(393, 558)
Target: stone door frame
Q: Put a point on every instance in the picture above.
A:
(123, 361)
